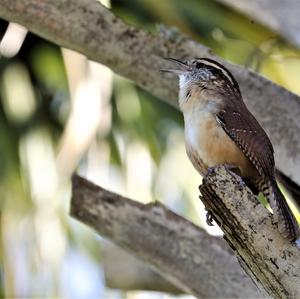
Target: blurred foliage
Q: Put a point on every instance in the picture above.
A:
(136, 148)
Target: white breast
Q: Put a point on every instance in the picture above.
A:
(192, 132)
(196, 130)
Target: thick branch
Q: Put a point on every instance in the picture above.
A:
(124, 271)
(280, 16)
(185, 254)
(247, 226)
(89, 28)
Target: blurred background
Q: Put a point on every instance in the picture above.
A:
(61, 113)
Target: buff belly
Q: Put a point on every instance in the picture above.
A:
(208, 145)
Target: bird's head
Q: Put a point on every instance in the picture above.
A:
(201, 78)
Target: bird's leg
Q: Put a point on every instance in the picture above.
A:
(210, 170)
(235, 171)
(209, 218)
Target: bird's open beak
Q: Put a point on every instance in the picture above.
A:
(180, 68)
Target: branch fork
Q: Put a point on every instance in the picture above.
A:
(185, 254)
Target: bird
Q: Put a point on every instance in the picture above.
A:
(220, 130)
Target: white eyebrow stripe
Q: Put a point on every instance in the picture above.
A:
(224, 72)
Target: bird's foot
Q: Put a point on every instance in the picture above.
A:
(209, 218)
(236, 173)
(210, 170)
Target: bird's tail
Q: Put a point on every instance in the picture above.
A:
(286, 221)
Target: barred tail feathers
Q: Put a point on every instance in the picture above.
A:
(286, 221)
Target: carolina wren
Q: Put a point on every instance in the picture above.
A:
(219, 129)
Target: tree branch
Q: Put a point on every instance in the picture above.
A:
(124, 271)
(249, 230)
(186, 255)
(280, 16)
(87, 27)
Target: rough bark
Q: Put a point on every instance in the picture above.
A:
(249, 230)
(185, 254)
(87, 27)
(280, 16)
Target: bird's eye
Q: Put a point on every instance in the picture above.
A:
(198, 65)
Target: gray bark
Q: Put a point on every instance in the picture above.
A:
(183, 253)
(89, 28)
(124, 271)
(248, 228)
(186, 255)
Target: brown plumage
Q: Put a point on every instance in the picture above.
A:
(242, 127)
(219, 129)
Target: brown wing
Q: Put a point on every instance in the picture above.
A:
(241, 126)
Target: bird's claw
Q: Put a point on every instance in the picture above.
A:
(209, 218)
(210, 170)
(236, 173)
(241, 183)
